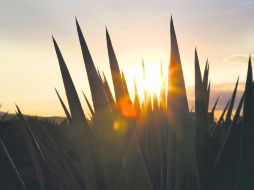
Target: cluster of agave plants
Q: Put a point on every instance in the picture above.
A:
(132, 145)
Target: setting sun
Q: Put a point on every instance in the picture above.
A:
(149, 77)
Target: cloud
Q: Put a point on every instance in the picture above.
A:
(246, 3)
(237, 59)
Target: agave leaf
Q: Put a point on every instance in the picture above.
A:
(228, 137)
(2, 119)
(214, 107)
(181, 136)
(68, 116)
(202, 133)
(107, 91)
(89, 105)
(155, 102)
(134, 166)
(206, 84)
(200, 101)
(224, 111)
(136, 98)
(149, 103)
(109, 94)
(246, 167)
(115, 71)
(90, 157)
(238, 110)
(231, 105)
(10, 177)
(56, 154)
(99, 97)
(177, 97)
(77, 114)
(127, 94)
(37, 156)
(151, 145)
(205, 76)
(218, 125)
(99, 75)
(208, 96)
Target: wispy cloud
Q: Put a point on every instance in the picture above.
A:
(246, 3)
(237, 59)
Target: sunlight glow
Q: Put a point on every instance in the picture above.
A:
(120, 126)
(148, 79)
(126, 108)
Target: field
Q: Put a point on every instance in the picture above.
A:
(156, 144)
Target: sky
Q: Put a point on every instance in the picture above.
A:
(221, 30)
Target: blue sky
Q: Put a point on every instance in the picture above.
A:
(222, 30)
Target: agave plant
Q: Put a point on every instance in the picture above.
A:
(152, 145)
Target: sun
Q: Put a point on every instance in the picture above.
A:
(149, 77)
(153, 84)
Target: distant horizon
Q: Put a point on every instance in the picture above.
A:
(223, 91)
